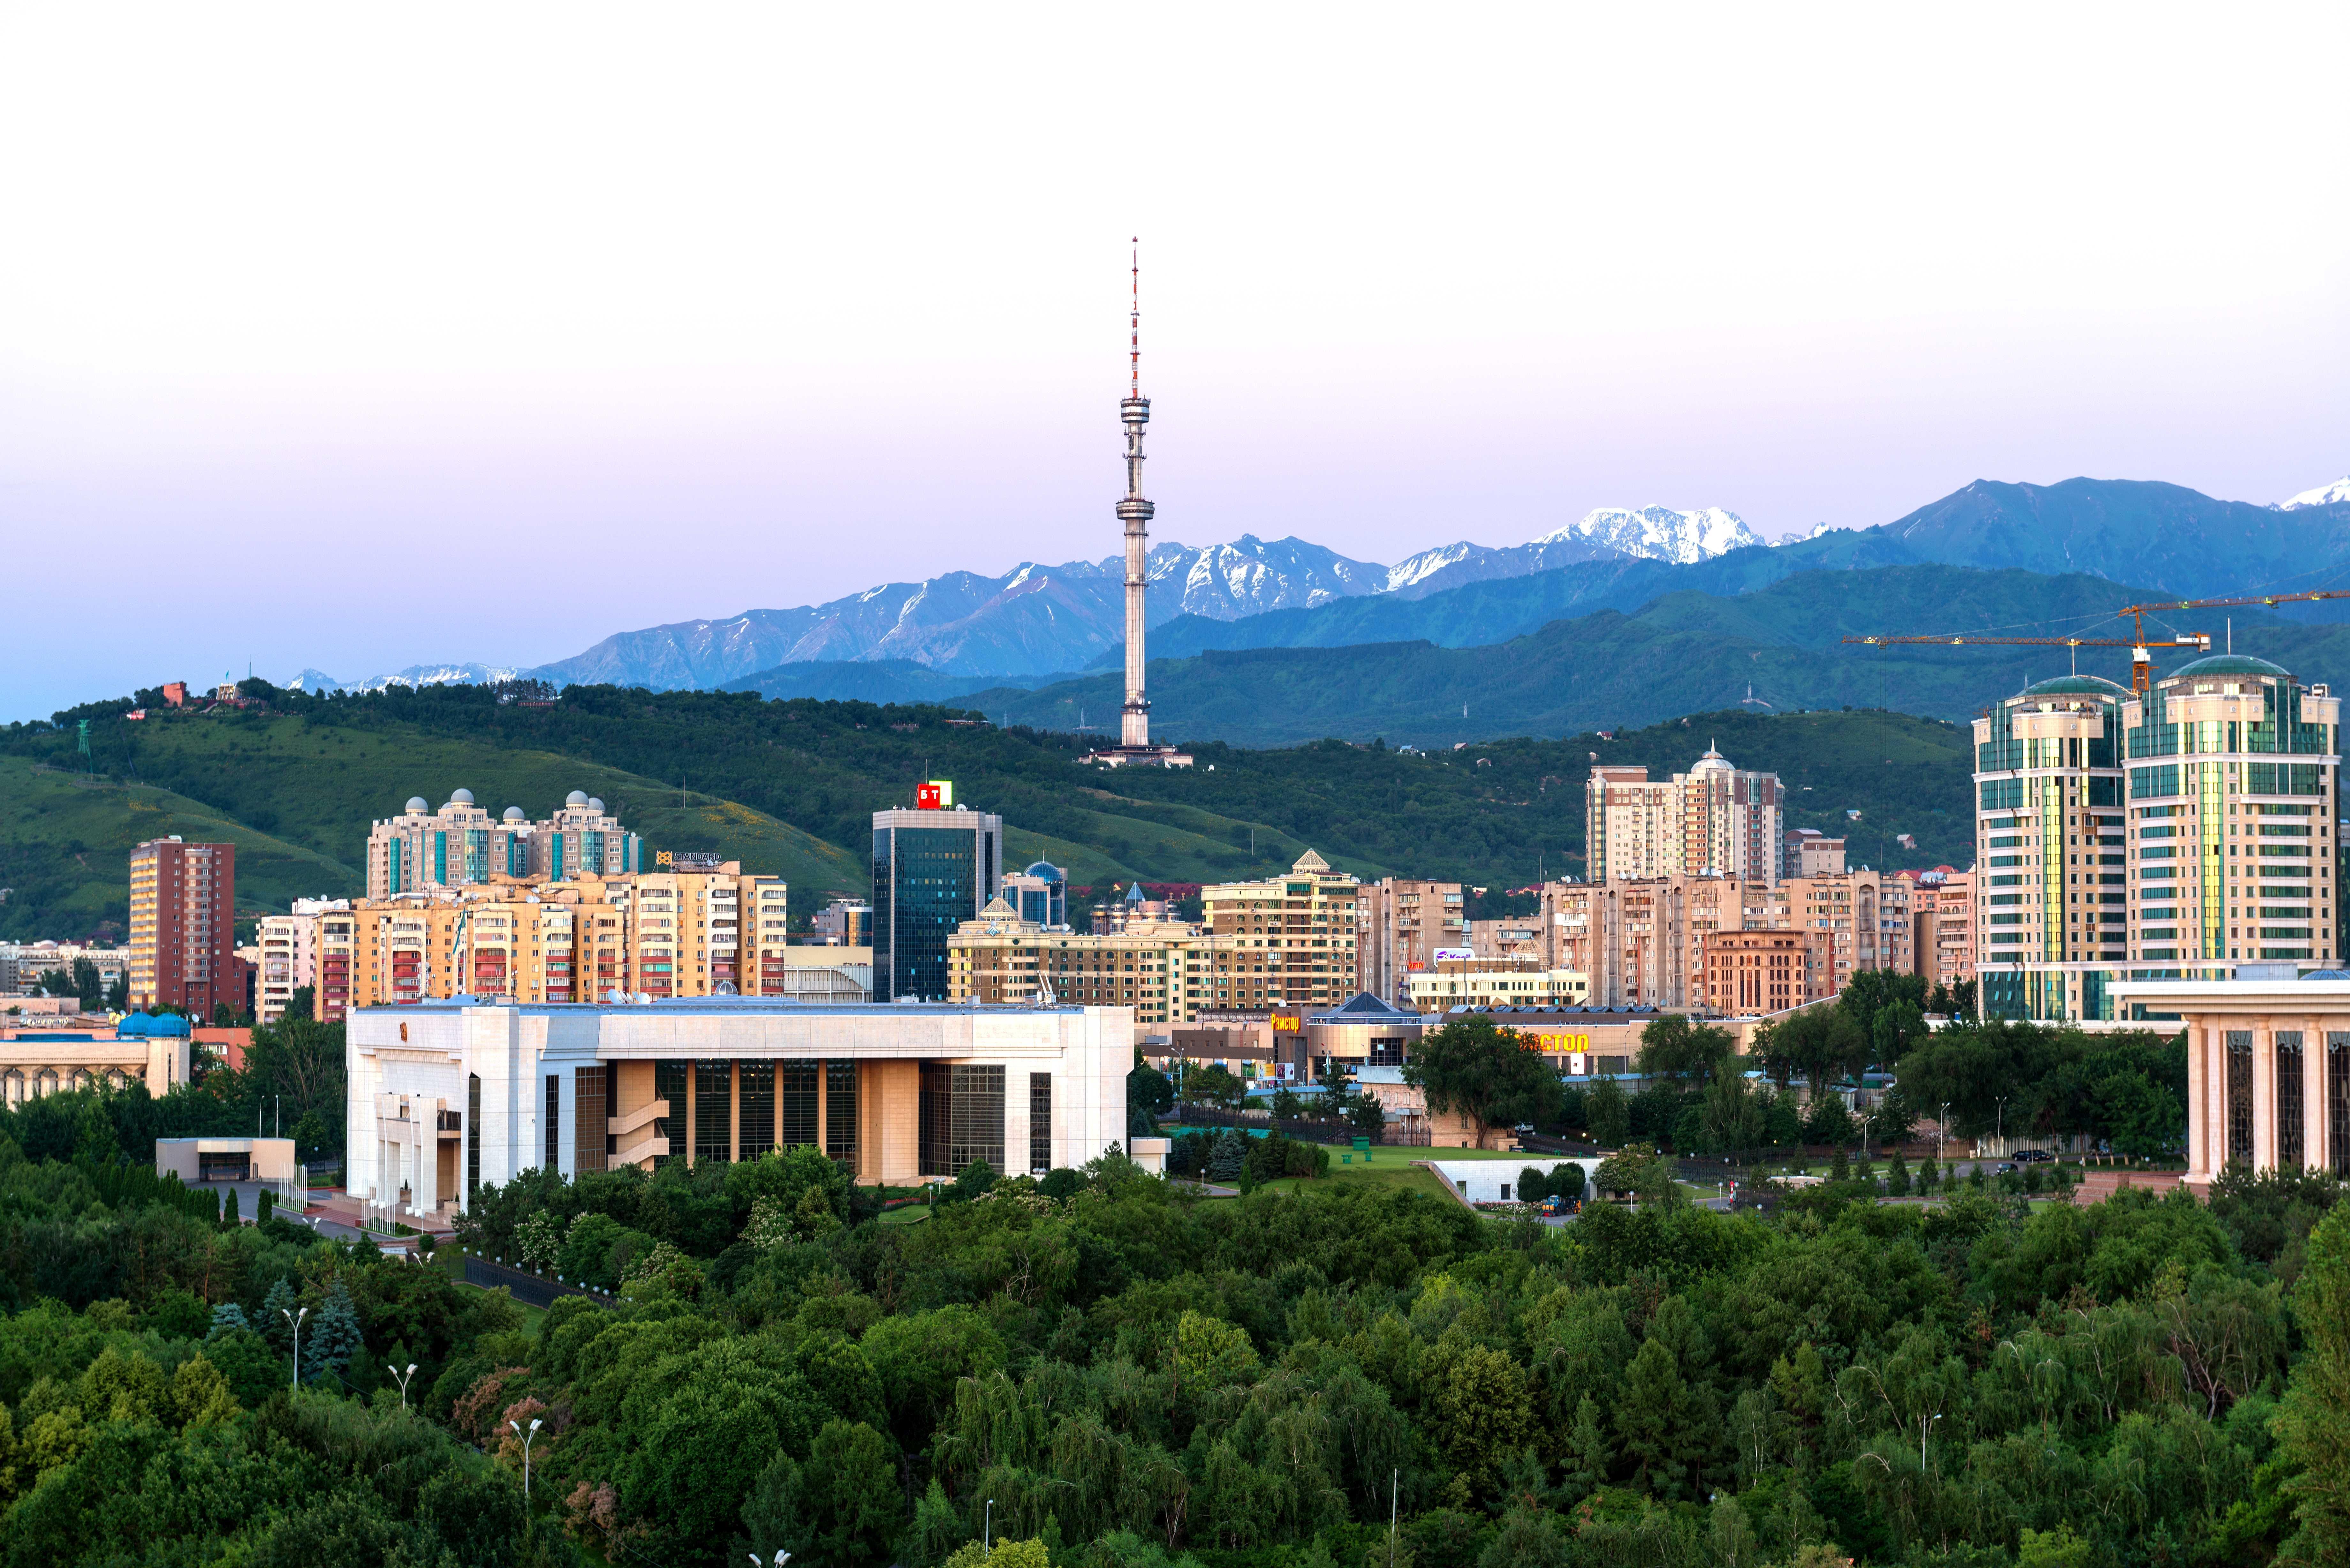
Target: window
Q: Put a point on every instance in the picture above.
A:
(554, 1122)
(756, 1103)
(795, 1103)
(590, 1141)
(961, 1119)
(713, 1111)
(2240, 1096)
(841, 1111)
(1040, 1122)
(2288, 1099)
(2337, 1101)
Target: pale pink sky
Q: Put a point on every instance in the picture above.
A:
(352, 340)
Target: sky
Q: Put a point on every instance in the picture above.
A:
(352, 338)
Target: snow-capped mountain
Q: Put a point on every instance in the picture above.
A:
(2323, 495)
(1814, 531)
(317, 682)
(1659, 533)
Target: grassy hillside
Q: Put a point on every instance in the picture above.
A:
(789, 787)
(66, 842)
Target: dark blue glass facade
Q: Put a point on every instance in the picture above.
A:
(926, 882)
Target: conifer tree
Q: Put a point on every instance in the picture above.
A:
(334, 1338)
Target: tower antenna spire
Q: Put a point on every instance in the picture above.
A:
(1134, 326)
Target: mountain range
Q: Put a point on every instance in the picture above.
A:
(1035, 627)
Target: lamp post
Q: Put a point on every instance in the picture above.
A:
(1942, 1131)
(527, 1438)
(1925, 1424)
(781, 1558)
(296, 1319)
(987, 1532)
(403, 1377)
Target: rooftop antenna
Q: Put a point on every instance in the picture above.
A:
(1134, 324)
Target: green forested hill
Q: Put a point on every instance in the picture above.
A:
(1684, 652)
(788, 787)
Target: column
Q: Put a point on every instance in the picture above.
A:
(2314, 1149)
(2199, 1104)
(734, 1088)
(688, 1118)
(822, 1126)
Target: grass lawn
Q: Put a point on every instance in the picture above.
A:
(1393, 1168)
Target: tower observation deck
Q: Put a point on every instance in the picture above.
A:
(1134, 748)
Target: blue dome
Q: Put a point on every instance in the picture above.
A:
(1047, 871)
(146, 1026)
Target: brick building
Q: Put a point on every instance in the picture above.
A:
(183, 927)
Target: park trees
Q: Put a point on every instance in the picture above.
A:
(1489, 1076)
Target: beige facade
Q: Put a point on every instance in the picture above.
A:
(1482, 983)
(1811, 853)
(1866, 913)
(1714, 820)
(47, 1054)
(1400, 924)
(1641, 943)
(1942, 925)
(1161, 969)
(1749, 973)
(1294, 939)
(663, 934)
(22, 965)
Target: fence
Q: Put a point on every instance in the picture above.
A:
(1201, 1118)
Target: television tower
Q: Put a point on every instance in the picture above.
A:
(1134, 512)
(1134, 747)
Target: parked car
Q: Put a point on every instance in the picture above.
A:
(2033, 1155)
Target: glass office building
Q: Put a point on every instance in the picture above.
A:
(932, 870)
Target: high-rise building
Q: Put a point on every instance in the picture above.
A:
(1134, 748)
(2232, 765)
(1714, 820)
(309, 945)
(933, 868)
(1866, 915)
(461, 846)
(1400, 924)
(2048, 796)
(1641, 943)
(1295, 936)
(1165, 970)
(183, 927)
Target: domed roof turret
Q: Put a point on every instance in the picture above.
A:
(2227, 664)
(1047, 871)
(2076, 686)
(595, 804)
(461, 797)
(416, 803)
(514, 813)
(1713, 762)
(576, 797)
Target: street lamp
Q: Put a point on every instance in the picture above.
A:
(296, 1319)
(1925, 1424)
(987, 1534)
(403, 1377)
(781, 1558)
(527, 1438)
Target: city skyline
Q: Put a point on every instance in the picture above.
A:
(1407, 290)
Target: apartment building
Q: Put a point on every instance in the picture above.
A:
(1513, 940)
(1641, 943)
(1865, 913)
(1942, 924)
(1295, 937)
(1400, 924)
(659, 934)
(22, 964)
(1165, 971)
(2231, 766)
(183, 948)
(461, 846)
(294, 951)
(1747, 973)
(1714, 820)
(1811, 853)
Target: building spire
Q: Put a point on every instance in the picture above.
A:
(1134, 326)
